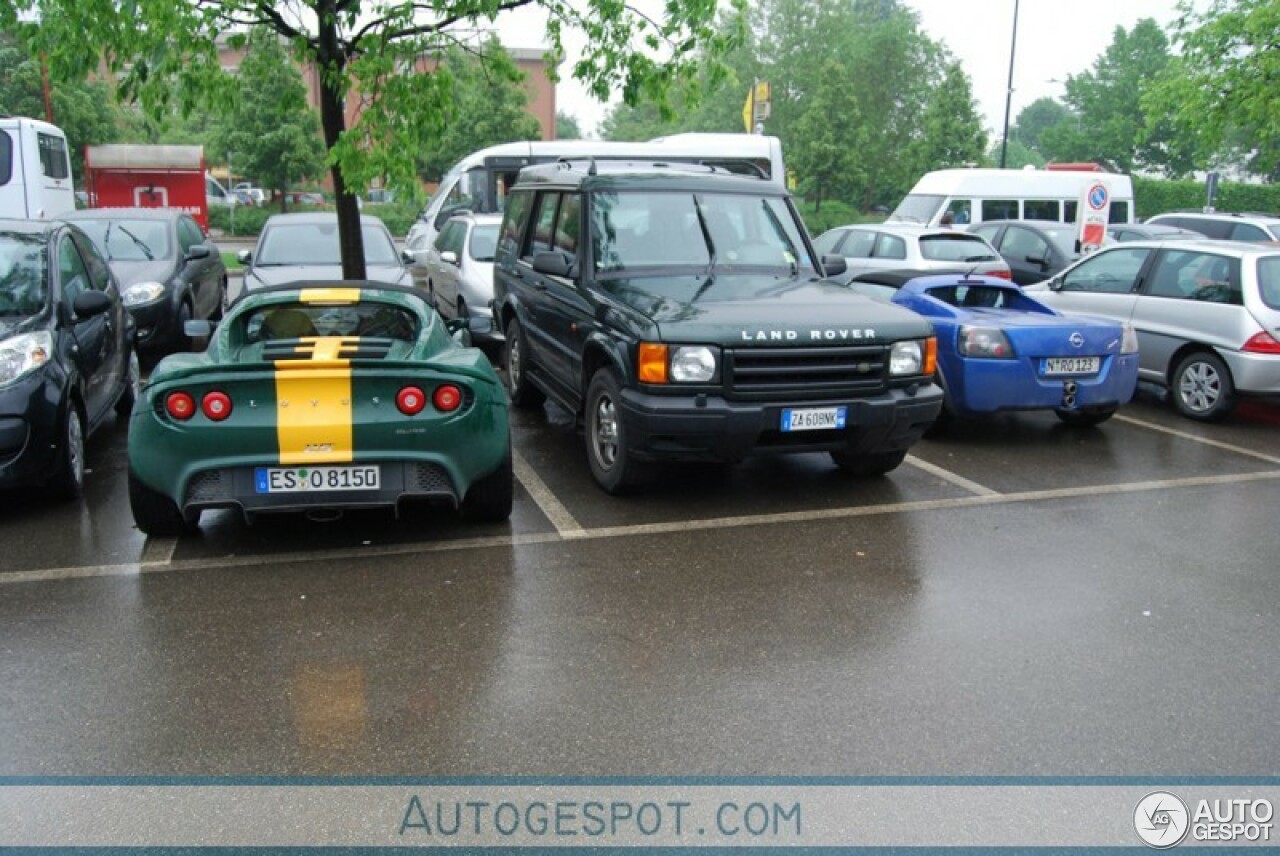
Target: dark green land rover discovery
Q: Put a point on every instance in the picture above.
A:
(681, 313)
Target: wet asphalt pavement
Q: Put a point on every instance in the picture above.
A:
(1020, 598)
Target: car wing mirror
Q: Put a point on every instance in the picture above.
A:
(1038, 260)
(244, 256)
(460, 331)
(199, 251)
(834, 265)
(407, 257)
(553, 264)
(449, 257)
(90, 303)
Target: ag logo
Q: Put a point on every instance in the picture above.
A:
(1161, 820)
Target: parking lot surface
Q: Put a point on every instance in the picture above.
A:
(1019, 598)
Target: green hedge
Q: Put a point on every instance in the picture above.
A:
(1156, 196)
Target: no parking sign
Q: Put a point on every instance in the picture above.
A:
(1094, 212)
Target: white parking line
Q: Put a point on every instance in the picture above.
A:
(948, 476)
(1217, 444)
(667, 527)
(560, 517)
(159, 551)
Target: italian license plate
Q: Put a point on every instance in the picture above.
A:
(1071, 365)
(813, 418)
(314, 479)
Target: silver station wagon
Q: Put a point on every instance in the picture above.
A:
(1207, 315)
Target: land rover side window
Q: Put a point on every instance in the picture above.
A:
(1190, 275)
(53, 156)
(1040, 209)
(544, 223)
(569, 223)
(1109, 272)
(999, 209)
(6, 158)
(513, 221)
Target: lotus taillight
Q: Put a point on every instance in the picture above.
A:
(180, 405)
(447, 398)
(216, 406)
(411, 400)
(1262, 343)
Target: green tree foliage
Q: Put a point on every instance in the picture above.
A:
(487, 105)
(86, 112)
(1108, 100)
(1016, 155)
(1226, 83)
(373, 53)
(271, 132)
(951, 132)
(1036, 118)
(567, 126)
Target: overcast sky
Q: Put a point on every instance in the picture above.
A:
(1055, 39)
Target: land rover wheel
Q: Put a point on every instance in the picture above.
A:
(608, 449)
(1201, 387)
(516, 362)
(868, 465)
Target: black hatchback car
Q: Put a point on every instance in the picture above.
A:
(169, 272)
(1034, 249)
(66, 353)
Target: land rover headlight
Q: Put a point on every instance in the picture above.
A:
(906, 358)
(142, 292)
(23, 354)
(692, 364)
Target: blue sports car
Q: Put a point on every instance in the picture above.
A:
(1000, 349)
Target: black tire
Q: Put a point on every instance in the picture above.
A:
(489, 499)
(1086, 418)
(609, 453)
(132, 386)
(68, 473)
(155, 513)
(1201, 387)
(223, 302)
(868, 465)
(515, 363)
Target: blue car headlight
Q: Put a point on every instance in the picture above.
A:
(22, 354)
(142, 292)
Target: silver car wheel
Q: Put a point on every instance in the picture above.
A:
(75, 446)
(1200, 387)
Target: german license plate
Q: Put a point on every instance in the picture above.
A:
(315, 479)
(813, 418)
(1071, 365)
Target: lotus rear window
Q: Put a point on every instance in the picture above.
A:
(280, 321)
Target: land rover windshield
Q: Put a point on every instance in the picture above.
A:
(634, 233)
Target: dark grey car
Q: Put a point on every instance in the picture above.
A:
(295, 247)
(1034, 249)
(169, 272)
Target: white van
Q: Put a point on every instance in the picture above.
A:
(35, 172)
(975, 195)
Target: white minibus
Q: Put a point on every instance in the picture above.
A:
(976, 195)
(479, 182)
(35, 172)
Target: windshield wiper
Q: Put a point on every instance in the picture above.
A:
(782, 233)
(146, 251)
(706, 236)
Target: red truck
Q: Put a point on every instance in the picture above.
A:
(137, 176)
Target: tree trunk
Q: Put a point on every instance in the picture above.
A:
(334, 121)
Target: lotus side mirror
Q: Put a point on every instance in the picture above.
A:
(834, 265)
(553, 264)
(244, 257)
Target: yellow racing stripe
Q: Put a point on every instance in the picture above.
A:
(335, 296)
(313, 405)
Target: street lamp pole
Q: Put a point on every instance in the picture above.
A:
(1008, 95)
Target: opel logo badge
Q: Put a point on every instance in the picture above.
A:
(1076, 340)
